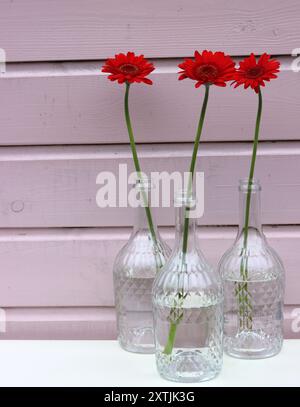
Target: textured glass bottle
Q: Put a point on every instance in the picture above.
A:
(134, 270)
(253, 281)
(187, 306)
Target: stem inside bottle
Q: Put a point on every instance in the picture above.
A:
(184, 243)
(250, 223)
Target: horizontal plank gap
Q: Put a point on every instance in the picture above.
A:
(107, 151)
(93, 68)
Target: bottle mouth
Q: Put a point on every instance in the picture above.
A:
(184, 198)
(143, 183)
(253, 185)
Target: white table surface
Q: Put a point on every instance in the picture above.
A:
(103, 363)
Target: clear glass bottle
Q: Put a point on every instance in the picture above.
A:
(253, 282)
(134, 270)
(187, 306)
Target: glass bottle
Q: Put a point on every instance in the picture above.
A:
(187, 306)
(134, 270)
(253, 281)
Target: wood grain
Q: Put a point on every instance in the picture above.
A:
(72, 103)
(56, 186)
(44, 30)
(73, 267)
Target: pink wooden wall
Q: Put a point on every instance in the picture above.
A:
(62, 123)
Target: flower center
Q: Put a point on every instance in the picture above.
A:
(206, 72)
(254, 72)
(129, 68)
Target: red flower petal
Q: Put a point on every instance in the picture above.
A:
(208, 68)
(252, 73)
(128, 68)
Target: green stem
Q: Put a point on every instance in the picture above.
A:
(193, 164)
(171, 339)
(137, 164)
(244, 296)
(252, 167)
(173, 325)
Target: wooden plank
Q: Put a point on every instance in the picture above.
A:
(71, 103)
(73, 267)
(56, 186)
(58, 323)
(89, 323)
(36, 30)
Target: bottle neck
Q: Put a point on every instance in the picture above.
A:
(185, 228)
(249, 209)
(143, 202)
(141, 220)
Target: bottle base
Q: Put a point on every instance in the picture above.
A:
(137, 339)
(144, 349)
(187, 366)
(252, 345)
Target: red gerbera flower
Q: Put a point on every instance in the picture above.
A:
(128, 68)
(253, 74)
(213, 68)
